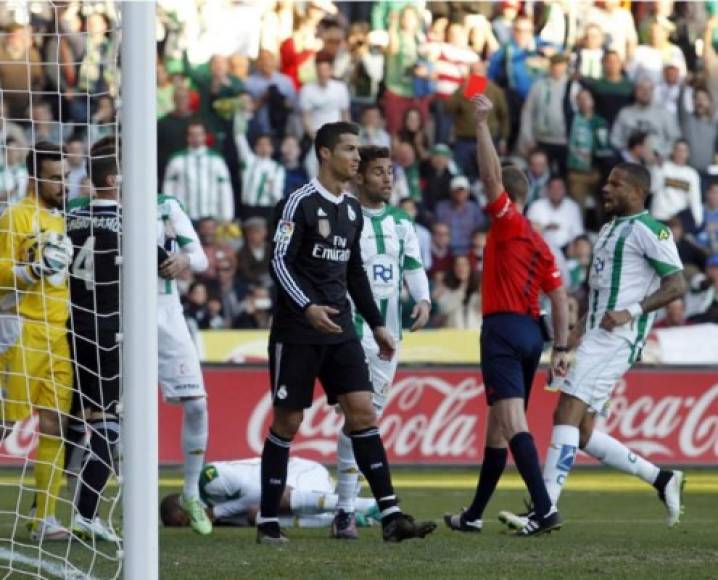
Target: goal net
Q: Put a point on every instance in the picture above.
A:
(60, 338)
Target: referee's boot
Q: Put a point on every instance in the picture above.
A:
(539, 525)
(404, 527)
(459, 523)
(270, 534)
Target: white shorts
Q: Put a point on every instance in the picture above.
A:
(180, 374)
(381, 372)
(601, 360)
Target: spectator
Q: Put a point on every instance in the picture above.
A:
(43, 126)
(503, 23)
(644, 116)
(94, 77)
(256, 309)
(10, 130)
(295, 175)
(674, 314)
(649, 59)
(197, 309)
(538, 174)
(371, 130)
(412, 131)
(273, 93)
(587, 143)
(297, 52)
(165, 90)
(172, 129)
(422, 233)
(213, 249)
(198, 177)
(700, 130)
(613, 91)
(669, 89)
(618, 24)
(590, 54)
(20, 70)
(546, 114)
(557, 216)
(253, 257)
(692, 254)
(677, 189)
(515, 67)
(579, 254)
(239, 66)
(103, 121)
(481, 36)
(402, 58)
(407, 181)
(464, 122)
(453, 62)
(442, 258)
(323, 101)
(366, 68)
(708, 235)
(262, 177)
(458, 298)
(709, 309)
(231, 291)
(76, 157)
(436, 175)
(639, 150)
(462, 214)
(476, 252)
(13, 174)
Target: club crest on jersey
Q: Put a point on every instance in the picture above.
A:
(323, 227)
(284, 232)
(351, 214)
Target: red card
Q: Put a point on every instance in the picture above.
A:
(475, 85)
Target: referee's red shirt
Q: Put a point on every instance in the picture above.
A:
(517, 262)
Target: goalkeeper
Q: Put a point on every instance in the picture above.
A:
(34, 258)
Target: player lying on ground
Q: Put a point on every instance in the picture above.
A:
(635, 271)
(517, 266)
(316, 264)
(34, 259)
(391, 256)
(232, 490)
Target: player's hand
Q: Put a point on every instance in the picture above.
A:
(614, 318)
(559, 363)
(420, 315)
(482, 107)
(385, 341)
(319, 318)
(51, 255)
(174, 266)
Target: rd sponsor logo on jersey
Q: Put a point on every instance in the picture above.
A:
(383, 275)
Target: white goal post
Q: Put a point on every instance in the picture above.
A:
(139, 290)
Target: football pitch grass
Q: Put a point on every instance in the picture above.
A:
(614, 527)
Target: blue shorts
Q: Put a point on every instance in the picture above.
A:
(511, 346)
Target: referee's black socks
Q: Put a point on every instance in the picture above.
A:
(491, 470)
(371, 458)
(104, 435)
(527, 462)
(275, 457)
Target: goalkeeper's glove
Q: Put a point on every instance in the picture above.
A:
(51, 255)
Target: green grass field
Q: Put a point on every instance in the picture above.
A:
(614, 528)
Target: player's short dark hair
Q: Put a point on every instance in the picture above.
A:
(43, 151)
(103, 163)
(369, 153)
(515, 183)
(195, 122)
(636, 138)
(329, 135)
(637, 175)
(168, 507)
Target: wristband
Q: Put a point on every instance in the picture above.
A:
(561, 348)
(635, 310)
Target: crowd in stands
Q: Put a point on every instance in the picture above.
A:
(243, 87)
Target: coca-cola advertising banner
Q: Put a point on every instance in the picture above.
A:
(436, 416)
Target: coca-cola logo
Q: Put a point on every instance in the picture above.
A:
(650, 424)
(425, 417)
(22, 440)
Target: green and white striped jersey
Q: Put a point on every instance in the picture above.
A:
(630, 257)
(389, 249)
(175, 233)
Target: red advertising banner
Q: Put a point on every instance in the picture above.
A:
(436, 416)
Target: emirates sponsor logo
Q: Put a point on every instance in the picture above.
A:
(672, 426)
(425, 415)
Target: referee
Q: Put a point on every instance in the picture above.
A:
(517, 266)
(316, 260)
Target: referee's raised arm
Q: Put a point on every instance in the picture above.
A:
(489, 162)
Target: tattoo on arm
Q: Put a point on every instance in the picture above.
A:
(672, 286)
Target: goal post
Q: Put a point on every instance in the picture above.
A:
(139, 290)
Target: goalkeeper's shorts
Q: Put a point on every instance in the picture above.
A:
(38, 371)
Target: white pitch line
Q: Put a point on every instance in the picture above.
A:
(53, 569)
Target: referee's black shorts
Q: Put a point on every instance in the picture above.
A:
(96, 359)
(294, 368)
(511, 346)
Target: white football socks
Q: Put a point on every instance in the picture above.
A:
(612, 452)
(559, 459)
(194, 443)
(302, 501)
(364, 504)
(347, 474)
